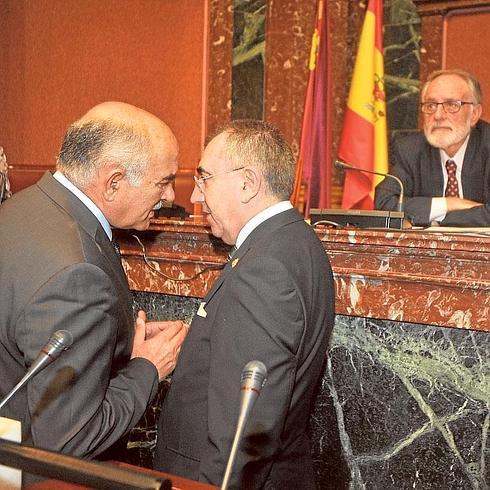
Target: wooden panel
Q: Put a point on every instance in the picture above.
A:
(61, 57)
(454, 36)
(21, 176)
(466, 45)
(442, 7)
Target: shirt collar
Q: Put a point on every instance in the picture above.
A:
(458, 156)
(260, 218)
(86, 200)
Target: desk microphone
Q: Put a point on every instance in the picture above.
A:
(59, 341)
(346, 166)
(254, 376)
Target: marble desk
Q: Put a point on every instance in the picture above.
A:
(405, 397)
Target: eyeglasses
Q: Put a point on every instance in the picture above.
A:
(200, 180)
(450, 106)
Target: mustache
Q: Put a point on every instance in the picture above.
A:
(440, 126)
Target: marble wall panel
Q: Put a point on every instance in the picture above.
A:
(248, 59)
(412, 276)
(263, 74)
(403, 406)
(219, 69)
(290, 26)
(402, 64)
(400, 405)
(289, 29)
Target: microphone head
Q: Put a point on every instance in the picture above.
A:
(341, 165)
(59, 341)
(254, 376)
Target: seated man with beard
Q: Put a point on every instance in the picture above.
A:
(446, 170)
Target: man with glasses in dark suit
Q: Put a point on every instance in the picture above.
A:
(446, 170)
(273, 303)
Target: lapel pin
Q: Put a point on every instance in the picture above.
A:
(201, 311)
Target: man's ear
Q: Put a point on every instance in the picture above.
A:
(251, 184)
(475, 116)
(111, 181)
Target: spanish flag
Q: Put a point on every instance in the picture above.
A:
(363, 142)
(314, 162)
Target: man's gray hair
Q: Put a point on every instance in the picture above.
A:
(254, 142)
(89, 146)
(472, 82)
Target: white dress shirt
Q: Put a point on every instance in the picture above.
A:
(438, 208)
(260, 218)
(86, 200)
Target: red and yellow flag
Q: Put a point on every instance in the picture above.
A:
(363, 142)
(315, 162)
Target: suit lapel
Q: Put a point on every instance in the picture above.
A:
(86, 220)
(473, 171)
(268, 227)
(265, 228)
(70, 203)
(217, 284)
(110, 254)
(436, 180)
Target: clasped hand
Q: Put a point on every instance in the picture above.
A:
(159, 342)
(458, 204)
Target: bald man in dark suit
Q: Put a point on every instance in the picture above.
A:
(59, 270)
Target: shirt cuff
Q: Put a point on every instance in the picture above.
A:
(438, 209)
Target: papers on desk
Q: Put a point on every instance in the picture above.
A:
(485, 231)
(10, 478)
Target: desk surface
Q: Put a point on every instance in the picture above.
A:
(178, 483)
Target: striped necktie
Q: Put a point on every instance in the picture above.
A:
(452, 189)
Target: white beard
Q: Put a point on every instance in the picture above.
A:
(448, 137)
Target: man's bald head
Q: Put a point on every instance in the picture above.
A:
(112, 132)
(126, 115)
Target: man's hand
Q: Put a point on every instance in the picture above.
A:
(458, 203)
(159, 342)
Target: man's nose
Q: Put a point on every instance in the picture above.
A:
(168, 194)
(440, 112)
(196, 196)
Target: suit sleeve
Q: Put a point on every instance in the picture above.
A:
(260, 319)
(476, 216)
(84, 401)
(477, 188)
(417, 208)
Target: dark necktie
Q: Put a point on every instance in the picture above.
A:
(231, 253)
(452, 189)
(116, 247)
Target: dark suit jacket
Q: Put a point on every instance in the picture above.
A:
(58, 270)
(418, 165)
(276, 305)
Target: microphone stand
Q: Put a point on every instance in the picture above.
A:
(346, 166)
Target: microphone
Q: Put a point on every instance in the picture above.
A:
(254, 376)
(346, 166)
(58, 342)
